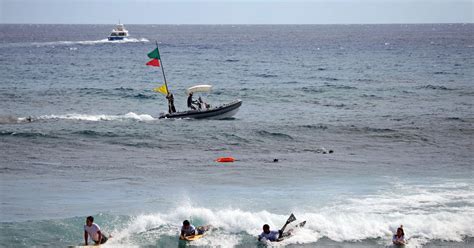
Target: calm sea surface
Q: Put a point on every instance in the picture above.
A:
(80, 134)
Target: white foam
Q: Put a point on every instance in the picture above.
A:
(443, 212)
(91, 42)
(103, 117)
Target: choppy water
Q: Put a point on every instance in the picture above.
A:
(394, 103)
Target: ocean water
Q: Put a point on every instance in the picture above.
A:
(80, 134)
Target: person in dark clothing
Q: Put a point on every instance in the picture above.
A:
(171, 108)
(200, 103)
(190, 101)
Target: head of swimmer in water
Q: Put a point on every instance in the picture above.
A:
(266, 228)
(186, 223)
(400, 232)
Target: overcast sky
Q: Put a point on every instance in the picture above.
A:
(236, 11)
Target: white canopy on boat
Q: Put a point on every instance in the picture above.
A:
(199, 88)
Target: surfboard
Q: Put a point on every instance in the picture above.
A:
(204, 229)
(90, 245)
(192, 238)
(288, 234)
(82, 246)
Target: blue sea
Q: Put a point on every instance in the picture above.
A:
(372, 126)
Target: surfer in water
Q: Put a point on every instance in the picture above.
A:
(399, 238)
(92, 230)
(189, 230)
(269, 235)
(280, 234)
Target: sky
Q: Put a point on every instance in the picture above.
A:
(236, 11)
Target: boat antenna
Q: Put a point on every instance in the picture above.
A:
(162, 68)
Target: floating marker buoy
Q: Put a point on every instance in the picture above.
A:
(225, 159)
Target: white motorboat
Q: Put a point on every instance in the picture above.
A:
(118, 33)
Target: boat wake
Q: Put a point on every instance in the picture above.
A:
(86, 117)
(92, 42)
(86, 42)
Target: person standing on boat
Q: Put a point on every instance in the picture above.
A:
(190, 101)
(171, 108)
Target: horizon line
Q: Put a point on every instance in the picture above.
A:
(244, 24)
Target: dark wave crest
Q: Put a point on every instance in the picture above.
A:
(91, 133)
(119, 92)
(314, 126)
(340, 86)
(264, 75)
(435, 87)
(26, 134)
(274, 135)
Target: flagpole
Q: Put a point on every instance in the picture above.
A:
(162, 69)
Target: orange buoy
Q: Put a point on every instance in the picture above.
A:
(225, 159)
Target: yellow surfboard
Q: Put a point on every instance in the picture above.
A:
(192, 238)
(82, 246)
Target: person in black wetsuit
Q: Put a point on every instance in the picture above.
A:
(190, 101)
(171, 108)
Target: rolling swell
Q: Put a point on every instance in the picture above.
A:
(139, 144)
(434, 87)
(118, 92)
(274, 135)
(236, 138)
(314, 126)
(27, 134)
(312, 89)
(388, 133)
(265, 75)
(92, 133)
(339, 86)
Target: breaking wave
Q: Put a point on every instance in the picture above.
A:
(442, 212)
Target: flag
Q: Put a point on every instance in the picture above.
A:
(153, 62)
(155, 54)
(161, 89)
